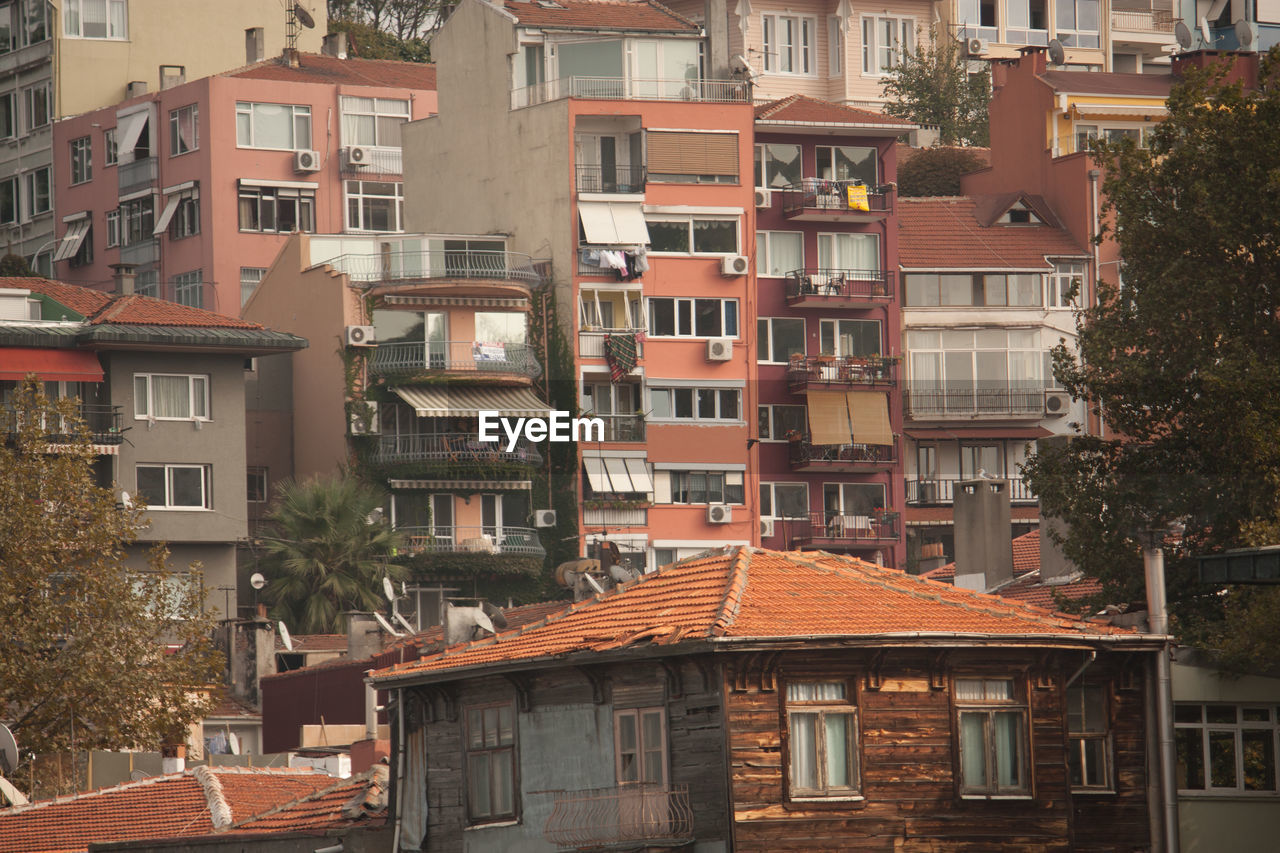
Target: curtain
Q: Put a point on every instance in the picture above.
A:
(829, 691)
(413, 796)
(973, 747)
(1008, 737)
(170, 397)
(786, 252)
(804, 765)
(837, 732)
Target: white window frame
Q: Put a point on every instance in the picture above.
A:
(258, 473)
(789, 44)
(31, 193)
(672, 394)
(772, 423)
(1067, 273)
(298, 113)
(40, 96)
(189, 114)
(691, 302)
(878, 59)
(760, 164)
(772, 500)
(359, 196)
(113, 228)
(169, 468)
(197, 397)
(764, 252)
(34, 20)
(1078, 737)
(764, 337)
(835, 46)
(81, 160)
(726, 480)
(833, 239)
(185, 285)
(110, 149)
(117, 28)
(833, 323)
(9, 104)
(350, 108)
(1236, 730)
(250, 278)
(305, 197)
(690, 220)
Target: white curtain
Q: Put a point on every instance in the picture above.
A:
(413, 796)
(170, 397)
(828, 691)
(973, 749)
(804, 751)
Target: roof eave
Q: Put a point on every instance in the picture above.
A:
(825, 128)
(613, 30)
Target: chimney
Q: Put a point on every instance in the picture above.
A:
(289, 57)
(173, 758)
(364, 637)
(984, 542)
(335, 44)
(135, 88)
(172, 75)
(1054, 565)
(125, 277)
(253, 45)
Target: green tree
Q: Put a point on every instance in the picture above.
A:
(84, 638)
(935, 171)
(368, 42)
(934, 85)
(13, 264)
(324, 550)
(1183, 361)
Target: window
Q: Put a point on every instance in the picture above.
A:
(779, 338)
(35, 22)
(1227, 749)
(250, 278)
(694, 236)
(174, 486)
(38, 196)
(822, 729)
(170, 397)
(640, 746)
(490, 757)
(1020, 214)
(856, 338)
(978, 19)
(95, 19)
(777, 165)
(701, 487)
(277, 209)
(885, 41)
(1078, 23)
(849, 252)
(375, 205)
(148, 284)
(1006, 366)
(137, 220)
(784, 500)
(8, 29)
(84, 255)
(1066, 284)
(110, 152)
(36, 102)
(373, 121)
(788, 44)
(1015, 290)
(186, 216)
(184, 130)
(8, 200)
(282, 127)
(701, 404)
(993, 737)
(777, 421)
(693, 318)
(257, 493)
(779, 253)
(855, 499)
(691, 158)
(1088, 738)
(81, 160)
(508, 327)
(188, 288)
(113, 228)
(835, 59)
(847, 163)
(1026, 22)
(8, 114)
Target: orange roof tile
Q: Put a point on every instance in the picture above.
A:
(361, 799)
(644, 15)
(320, 68)
(101, 308)
(805, 110)
(1026, 558)
(1109, 83)
(1027, 586)
(946, 233)
(759, 595)
(82, 300)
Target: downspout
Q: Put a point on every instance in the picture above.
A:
(400, 760)
(1151, 743)
(1091, 282)
(1158, 621)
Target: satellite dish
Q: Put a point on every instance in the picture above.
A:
(257, 580)
(8, 751)
(1182, 33)
(387, 626)
(284, 636)
(1056, 54)
(126, 501)
(375, 516)
(1204, 32)
(740, 65)
(304, 17)
(388, 588)
(1244, 33)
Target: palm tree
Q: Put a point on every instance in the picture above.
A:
(326, 551)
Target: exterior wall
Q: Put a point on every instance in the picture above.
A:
(269, 431)
(1004, 47)
(24, 68)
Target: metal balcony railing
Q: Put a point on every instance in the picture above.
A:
(822, 195)
(848, 528)
(804, 454)
(611, 179)
(629, 427)
(942, 491)
(141, 253)
(135, 175)
(440, 264)
(377, 161)
(631, 89)
(591, 342)
(606, 517)
(984, 398)
(453, 449)
(821, 370)
(1143, 20)
(409, 357)
(104, 423)
(836, 285)
(626, 816)
(487, 539)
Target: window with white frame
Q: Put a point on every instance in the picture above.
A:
(280, 210)
(822, 734)
(835, 46)
(695, 404)
(1012, 290)
(1088, 738)
(110, 150)
(1226, 748)
(847, 163)
(8, 115)
(885, 42)
(373, 121)
(979, 19)
(36, 105)
(788, 43)
(778, 422)
(170, 397)
(490, 762)
(95, 19)
(856, 500)
(849, 338)
(1066, 284)
(993, 737)
(186, 216)
(375, 205)
(250, 278)
(81, 160)
(982, 359)
(693, 235)
(707, 487)
(777, 164)
(280, 127)
(188, 288)
(137, 220)
(1078, 23)
(784, 500)
(1026, 22)
(38, 192)
(640, 746)
(8, 26)
(113, 228)
(779, 253)
(8, 200)
(184, 129)
(173, 486)
(693, 318)
(849, 252)
(779, 338)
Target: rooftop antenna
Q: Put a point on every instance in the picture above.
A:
(1182, 33)
(389, 589)
(298, 15)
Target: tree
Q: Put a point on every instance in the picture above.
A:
(1182, 360)
(324, 551)
(933, 85)
(369, 42)
(14, 265)
(935, 171)
(390, 26)
(84, 639)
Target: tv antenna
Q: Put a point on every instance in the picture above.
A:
(389, 589)
(298, 15)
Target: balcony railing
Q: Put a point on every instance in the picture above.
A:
(1143, 20)
(1018, 399)
(825, 199)
(629, 427)
(846, 529)
(103, 422)
(806, 456)
(377, 161)
(486, 359)
(839, 287)
(622, 817)
(487, 539)
(823, 371)
(607, 517)
(453, 449)
(942, 491)
(591, 343)
(440, 264)
(135, 175)
(610, 179)
(141, 253)
(631, 89)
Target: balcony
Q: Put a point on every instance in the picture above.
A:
(1143, 20)
(489, 539)
(933, 401)
(104, 424)
(136, 175)
(626, 817)
(378, 161)
(806, 456)
(609, 517)
(940, 492)
(632, 89)
(453, 451)
(834, 530)
(839, 288)
(591, 342)
(628, 427)
(474, 358)
(825, 372)
(820, 200)
(610, 179)
(141, 253)
(444, 265)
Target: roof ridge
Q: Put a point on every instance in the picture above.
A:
(96, 792)
(736, 580)
(215, 798)
(355, 778)
(672, 12)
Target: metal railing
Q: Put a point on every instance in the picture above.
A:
(942, 491)
(803, 453)
(591, 342)
(135, 175)
(837, 284)
(441, 263)
(477, 356)
(628, 427)
(487, 539)
(140, 253)
(104, 423)
(606, 517)
(847, 527)
(1143, 20)
(631, 89)
(829, 195)
(640, 814)
(975, 399)
(378, 161)
(453, 448)
(841, 370)
(613, 179)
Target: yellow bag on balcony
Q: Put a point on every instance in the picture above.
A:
(858, 197)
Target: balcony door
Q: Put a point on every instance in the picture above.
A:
(849, 253)
(850, 338)
(850, 507)
(640, 761)
(981, 460)
(499, 512)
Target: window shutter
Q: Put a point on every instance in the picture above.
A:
(676, 153)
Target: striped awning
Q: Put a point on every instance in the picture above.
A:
(446, 401)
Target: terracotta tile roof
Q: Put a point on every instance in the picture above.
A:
(1026, 558)
(226, 705)
(1027, 586)
(759, 595)
(101, 308)
(195, 802)
(82, 300)
(945, 233)
(362, 799)
(314, 643)
(1109, 83)
(803, 109)
(591, 14)
(319, 68)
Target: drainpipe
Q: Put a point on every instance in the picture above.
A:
(400, 760)
(1158, 621)
(1091, 282)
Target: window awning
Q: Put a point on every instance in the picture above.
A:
(50, 365)
(616, 474)
(71, 240)
(828, 418)
(162, 224)
(1139, 110)
(869, 416)
(128, 131)
(447, 402)
(613, 223)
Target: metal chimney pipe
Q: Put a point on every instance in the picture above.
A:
(1158, 623)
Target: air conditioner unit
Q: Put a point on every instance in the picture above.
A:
(976, 47)
(1056, 403)
(306, 161)
(766, 528)
(719, 349)
(359, 155)
(360, 336)
(358, 426)
(764, 198)
(719, 514)
(544, 518)
(734, 265)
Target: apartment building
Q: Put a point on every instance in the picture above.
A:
(60, 58)
(583, 132)
(197, 186)
(828, 329)
(1230, 26)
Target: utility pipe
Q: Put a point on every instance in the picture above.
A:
(1158, 623)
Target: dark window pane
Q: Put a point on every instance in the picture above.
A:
(662, 317)
(1221, 713)
(1187, 714)
(712, 235)
(788, 338)
(669, 236)
(684, 402)
(707, 316)
(706, 403)
(151, 485)
(685, 324)
(1222, 759)
(729, 405)
(1258, 751)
